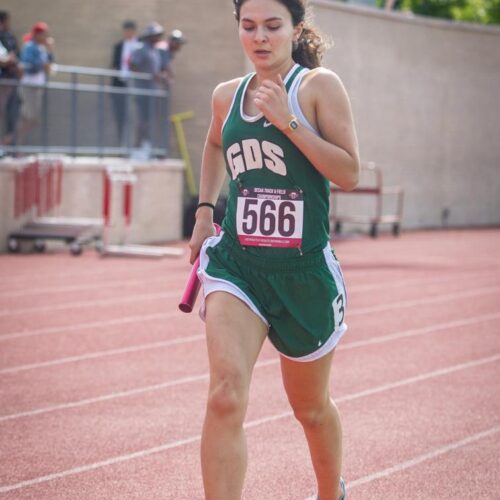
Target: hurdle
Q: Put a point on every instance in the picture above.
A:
(38, 193)
(113, 179)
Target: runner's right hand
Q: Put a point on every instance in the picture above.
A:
(203, 229)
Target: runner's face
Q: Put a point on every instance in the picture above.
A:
(266, 33)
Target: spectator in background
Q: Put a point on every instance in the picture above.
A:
(169, 49)
(148, 59)
(36, 59)
(122, 52)
(10, 71)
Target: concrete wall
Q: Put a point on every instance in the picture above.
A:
(425, 99)
(424, 92)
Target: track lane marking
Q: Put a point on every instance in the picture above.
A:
(427, 300)
(103, 354)
(133, 282)
(50, 275)
(121, 394)
(131, 319)
(27, 278)
(89, 286)
(248, 425)
(195, 338)
(94, 303)
(177, 292)
(195, 378)
(424, 457)
(408, 464)
(90, 326)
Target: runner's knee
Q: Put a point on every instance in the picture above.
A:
(228, 396)
(312, 414)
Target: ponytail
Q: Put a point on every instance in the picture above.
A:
(308, 50)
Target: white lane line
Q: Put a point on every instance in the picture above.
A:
(98, 465)
(420, 378)
(424, 457)
(94, 303)
(167, 280)
(52, 274)
(132, 319)
(426, 300)
(121, 394)
(408, 464)
(174, 293)
(474, 320)
(248, 425)
(194, 378)
(141, 318)
(170, 279)
(102, 354)
(415, 282)
(141, 297)
(194, 338)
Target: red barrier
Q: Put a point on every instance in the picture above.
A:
(18, 194)
(38, 184)
(127, 203)
(59, 174)
(106, 208)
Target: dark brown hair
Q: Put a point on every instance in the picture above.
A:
(310, 47)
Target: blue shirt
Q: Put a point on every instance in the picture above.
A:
(34, 57)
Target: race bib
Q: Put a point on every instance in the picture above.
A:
(270, 217)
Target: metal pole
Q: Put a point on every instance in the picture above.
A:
(100, 116)
(128, 115)
(165, 119)
(74, 107)
(151, 122)
(45, 110)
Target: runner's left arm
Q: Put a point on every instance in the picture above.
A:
(334, 153)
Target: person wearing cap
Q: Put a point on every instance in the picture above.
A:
(148, 59)
(168, 51)
(121, 62)
(175, 41)
(36, 59)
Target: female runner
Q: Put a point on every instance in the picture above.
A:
(285, 132)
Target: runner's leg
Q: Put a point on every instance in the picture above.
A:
(235, 336)
(307, 388)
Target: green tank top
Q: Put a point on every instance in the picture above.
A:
(260, 158)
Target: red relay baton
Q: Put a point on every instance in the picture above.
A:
(193, 284)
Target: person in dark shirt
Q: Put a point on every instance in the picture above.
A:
(10, 70)
(148, 59)
(121, 62)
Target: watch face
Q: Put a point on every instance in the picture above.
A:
(294, 125)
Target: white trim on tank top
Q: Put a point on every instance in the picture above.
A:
(293, 101)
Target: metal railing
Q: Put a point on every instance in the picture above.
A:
(78, 118)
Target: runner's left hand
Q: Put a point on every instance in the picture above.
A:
(272, 100)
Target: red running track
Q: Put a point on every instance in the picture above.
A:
(103, 382)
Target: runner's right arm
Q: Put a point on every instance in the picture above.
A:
(213, 171)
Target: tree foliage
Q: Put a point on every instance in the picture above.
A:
(479, 11)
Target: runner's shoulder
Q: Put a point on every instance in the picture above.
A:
(321, 80)
(223, 95)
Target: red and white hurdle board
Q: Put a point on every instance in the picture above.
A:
(38, 194)
(124, 178)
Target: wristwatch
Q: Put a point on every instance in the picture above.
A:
(293, 124)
